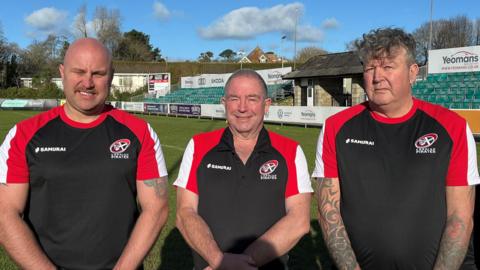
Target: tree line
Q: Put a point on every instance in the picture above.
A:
(41, 58)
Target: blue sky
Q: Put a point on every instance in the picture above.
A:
(184, 29)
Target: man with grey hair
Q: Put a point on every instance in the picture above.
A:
(243, 194)
(395, 174)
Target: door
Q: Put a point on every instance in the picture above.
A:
(310, 94)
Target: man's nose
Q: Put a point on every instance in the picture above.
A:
(243, 105)
(377, 74)
(88, 81)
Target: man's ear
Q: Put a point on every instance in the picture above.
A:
(268, 102)
(61, 68)
(112, 72)
(413, 72)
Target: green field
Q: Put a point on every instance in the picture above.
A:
(171, 251)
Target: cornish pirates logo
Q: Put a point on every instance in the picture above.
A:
(424, 143)
(118, 147)
(267, 169)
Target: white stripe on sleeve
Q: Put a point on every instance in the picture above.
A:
(162, 168)
(472, 170)
(4, 148)
(319, 170)
(186, 166)
(303, 177)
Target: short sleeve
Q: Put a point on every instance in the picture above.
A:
(186, 168)
(462, 169)
(325, 157)
(13, 162)
(303, 177)
(151, 162)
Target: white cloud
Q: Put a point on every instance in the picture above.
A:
(248, 22)
(47, 19)
(330, 23)
(309, 33)
(160, 11)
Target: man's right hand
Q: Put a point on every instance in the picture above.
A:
(235, 262)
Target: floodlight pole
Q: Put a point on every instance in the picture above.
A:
(430, 35)
(295, 40)
(281, 48)
(431, 26)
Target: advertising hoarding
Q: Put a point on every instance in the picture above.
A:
(159, 84)
(462, 59)
(185, 109)
(271, 76)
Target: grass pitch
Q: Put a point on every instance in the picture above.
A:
(170, 250)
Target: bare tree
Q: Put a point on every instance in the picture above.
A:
(476, 32)
(107, 27)
(308, 52)
(449, 33)
(80, 23)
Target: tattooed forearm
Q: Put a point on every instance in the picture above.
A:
(453, 246)
(159, 184)
(334, 233)
(458, 227)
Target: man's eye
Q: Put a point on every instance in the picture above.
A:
(368, 69)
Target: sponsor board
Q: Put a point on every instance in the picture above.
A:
(462, 59)
(213, 110)
(300, 115)
(186, 109)
(132, 106)
(159, 84)
(15, 103)
(155, 108)
(270, 76)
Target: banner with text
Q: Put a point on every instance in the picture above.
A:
(213, 110)
(300, 115)
(462, 59)
(159, 84)
(185, 109)
(155, 108)
(271, 76)
(133, 106)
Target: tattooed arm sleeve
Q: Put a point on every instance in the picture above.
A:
(458, 228)
(333, 229)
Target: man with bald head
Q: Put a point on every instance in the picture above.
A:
(70, 177)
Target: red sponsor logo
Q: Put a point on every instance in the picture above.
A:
(119, 146)
(268, 167)
(426, 140)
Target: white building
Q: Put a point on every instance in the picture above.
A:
(124, 82)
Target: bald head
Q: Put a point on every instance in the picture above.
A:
(82, 47)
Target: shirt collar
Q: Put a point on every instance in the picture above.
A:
(263, 141)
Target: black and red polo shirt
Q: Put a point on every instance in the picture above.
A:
(240, 202)
(82, 180)
(393, 174)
